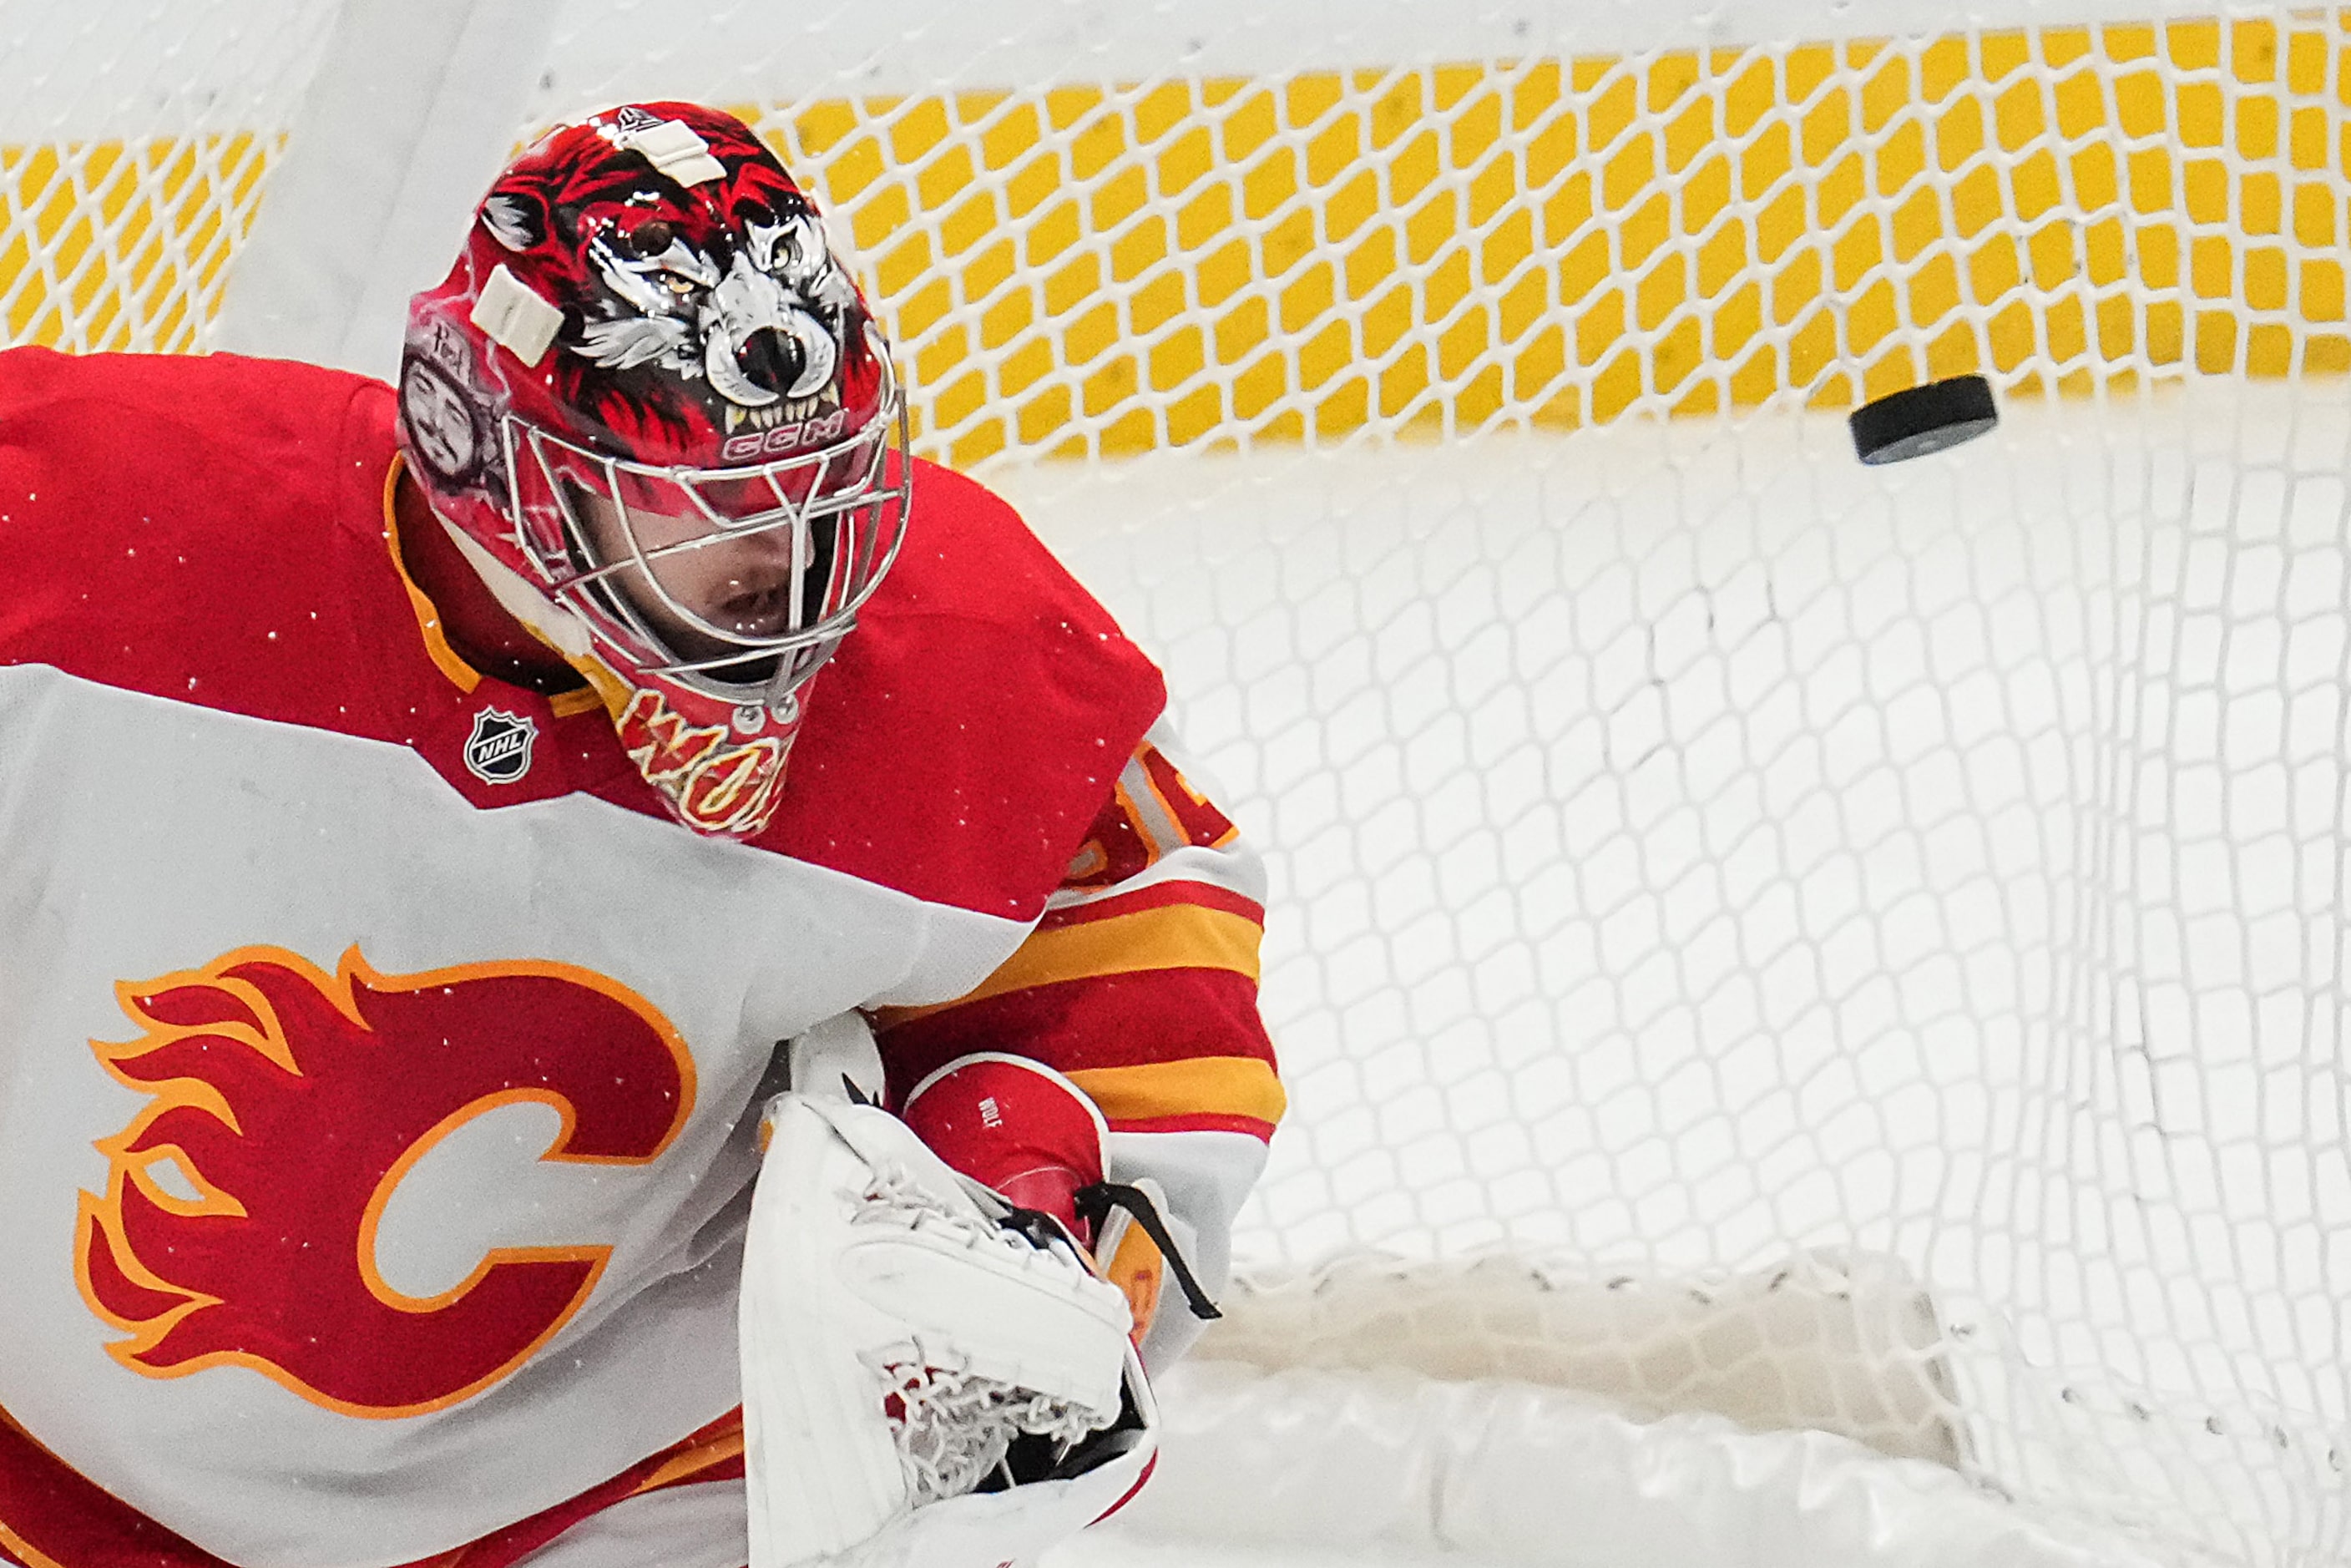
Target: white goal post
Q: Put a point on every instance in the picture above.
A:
(1814, 997)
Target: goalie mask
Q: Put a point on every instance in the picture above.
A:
(660, 415)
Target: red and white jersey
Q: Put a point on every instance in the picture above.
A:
(377, 1056)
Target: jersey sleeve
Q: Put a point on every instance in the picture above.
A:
(1140, 983)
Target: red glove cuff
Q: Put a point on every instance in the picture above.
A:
(1014, 1126)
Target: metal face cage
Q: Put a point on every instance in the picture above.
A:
(737, 582)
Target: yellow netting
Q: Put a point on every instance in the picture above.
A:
(123, 245)
(1111, 269)
(1185, 260)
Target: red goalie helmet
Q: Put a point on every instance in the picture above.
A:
(649, 390)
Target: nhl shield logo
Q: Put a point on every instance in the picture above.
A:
(499, 749)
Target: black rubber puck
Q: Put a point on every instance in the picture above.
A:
(1916, 420)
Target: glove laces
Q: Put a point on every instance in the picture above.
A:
(954, 1426)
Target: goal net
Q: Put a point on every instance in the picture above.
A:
(1812, 985)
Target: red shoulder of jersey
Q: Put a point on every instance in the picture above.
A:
(162, 519)
(210, 530)
(983, 686)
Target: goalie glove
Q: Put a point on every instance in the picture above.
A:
(932, 1377)
(1017, 1127)
(1023, 1130)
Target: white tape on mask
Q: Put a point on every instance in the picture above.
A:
(512, 313)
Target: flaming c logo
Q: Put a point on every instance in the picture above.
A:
(239, 1221)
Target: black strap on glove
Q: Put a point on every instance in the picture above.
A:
(1094, 1203)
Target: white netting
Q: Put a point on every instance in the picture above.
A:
(955, 1427)
(1701, 847)
(954, 1424)
(1692, 852)
(1689, 848)
(135, 139)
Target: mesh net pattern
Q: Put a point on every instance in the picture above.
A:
(1691, 852)
(135, 143)
(954, 1426)
(1700, 847)
(1559, 238)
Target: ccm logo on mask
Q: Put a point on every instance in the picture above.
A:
(784, 437)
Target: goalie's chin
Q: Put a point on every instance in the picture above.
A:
(931, 1377)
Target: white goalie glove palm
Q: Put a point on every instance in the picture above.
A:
(930, 1377)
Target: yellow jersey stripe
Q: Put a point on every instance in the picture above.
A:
(1202, 1086)
(693, 1461)
(461, 675)
(1169, 936)
(22, 1550)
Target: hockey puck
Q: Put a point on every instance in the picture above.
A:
(1916, 420)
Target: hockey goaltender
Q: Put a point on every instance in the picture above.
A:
(423, 812)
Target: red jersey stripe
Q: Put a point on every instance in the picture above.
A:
(1176, 936)
(1205, 1122)
(1114, 1020)
(1160, 893)
(526, 1536)
(51, 1516)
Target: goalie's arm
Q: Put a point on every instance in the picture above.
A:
(1140, 984)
